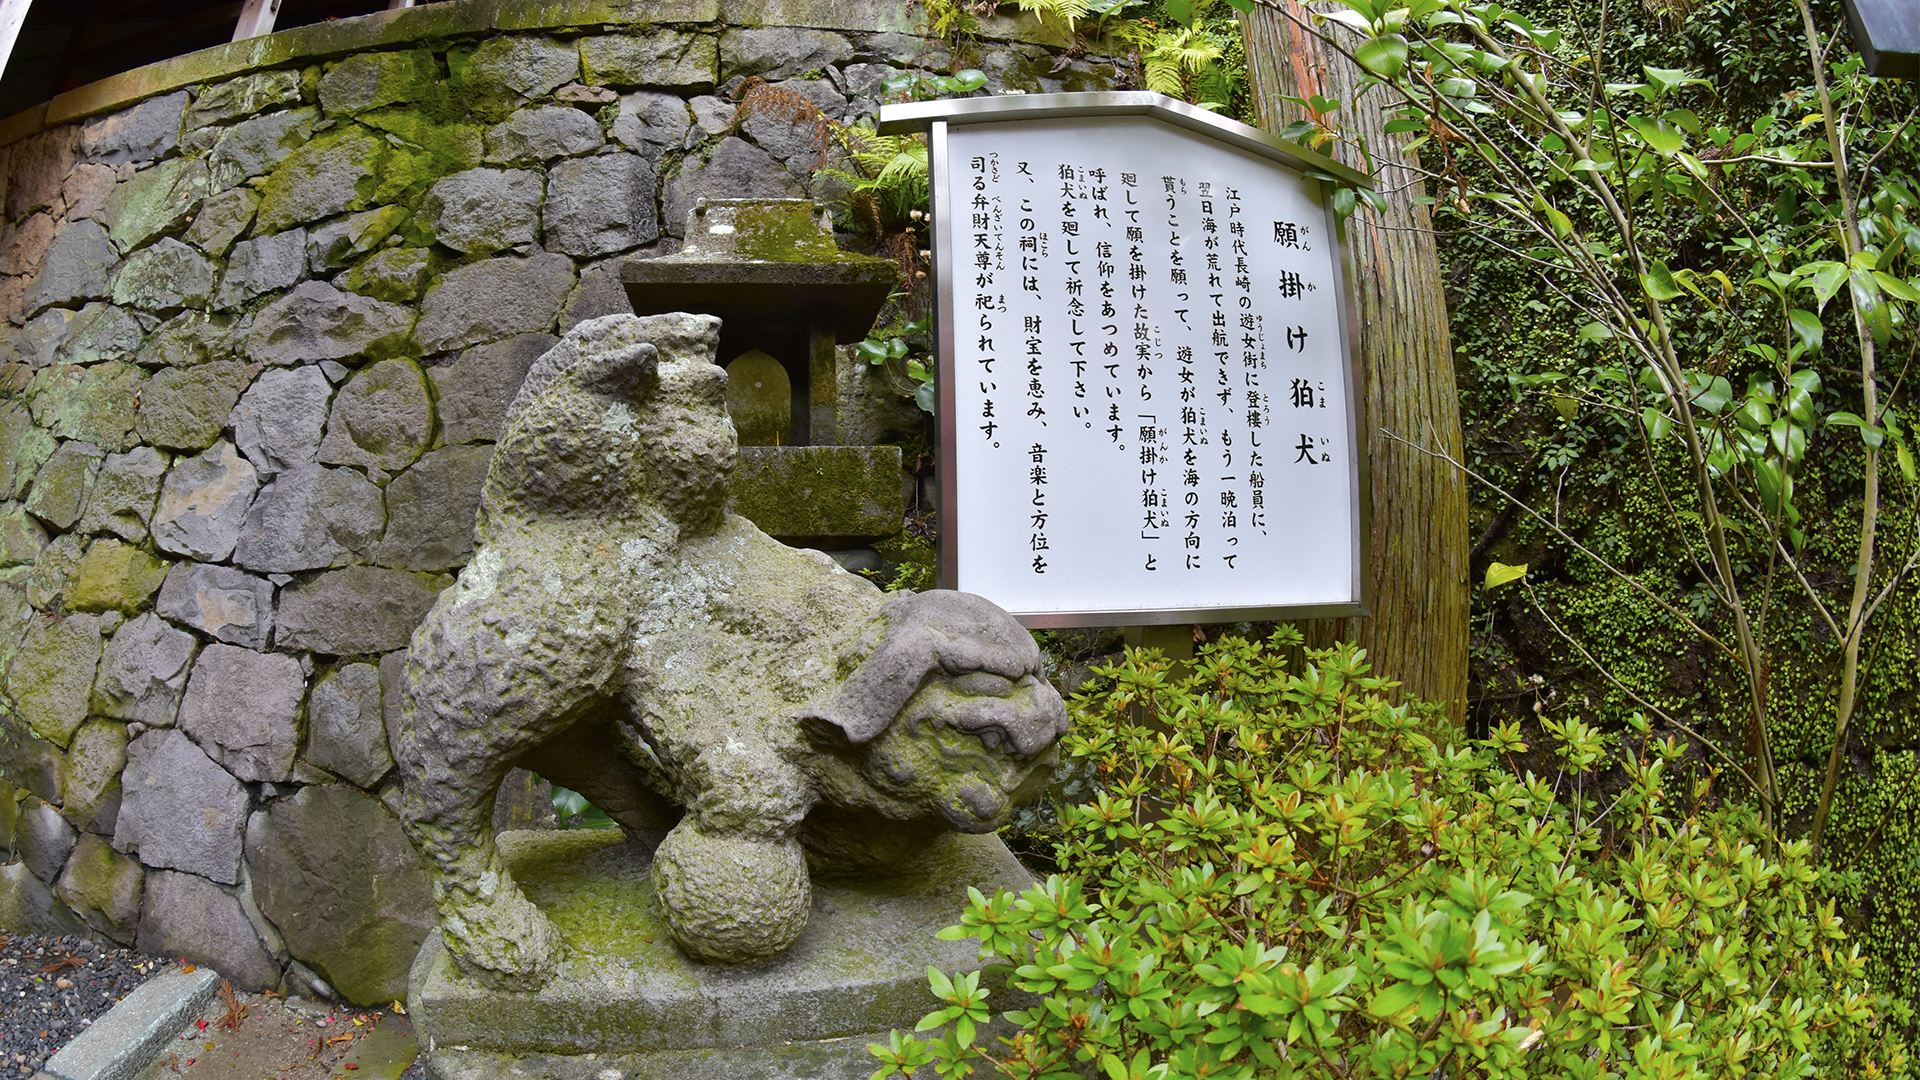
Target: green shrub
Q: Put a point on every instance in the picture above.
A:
(1284, 875)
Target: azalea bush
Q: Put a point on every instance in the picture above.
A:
(1285, 875)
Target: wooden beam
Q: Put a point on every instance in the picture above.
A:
(256, 19)
(12, 14)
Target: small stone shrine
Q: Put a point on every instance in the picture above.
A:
(807, 772)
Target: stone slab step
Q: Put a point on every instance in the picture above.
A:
(125, 1041)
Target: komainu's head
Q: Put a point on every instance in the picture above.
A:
(949, 713)
(626, 415)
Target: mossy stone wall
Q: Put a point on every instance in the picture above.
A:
(261, 310)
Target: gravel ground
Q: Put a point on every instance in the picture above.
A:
(52, 988)
(42, 1011)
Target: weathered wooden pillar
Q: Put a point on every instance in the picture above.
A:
(1419, 576)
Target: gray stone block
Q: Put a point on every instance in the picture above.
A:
(324, 177)
(370, 80)
(123, 494)
(243, 708)
(43, 838)
(184, 408)
(203, 924)
(21, 537)
(61, 487)
(23, 244)
(711, 116)
(357, 611)
(343, 240)
(600, 205)
(37, 168)
(310, 517)
(24, 447)
(203, 503)
(256, 146)
(382, 418)
(230, 605)
(262, 265)
(481, 211)
(538, 135)
(194, 337)
(332, 869)
(347, 733)
(736, 169)
(51, 677)
(222, 219)
(396, 275)
(179, 810)
(649, 123)
(165, 278)
(85, 191)
(28, 906)
(278, 422)
(39, 340)
(431, 509)
(100, 332)
(493, 299)
(142, 133)
(103, 887)
(144, 670)
(799, 143)
(600, 293)
(157, 201)
(248, 95)
(319, 322)
(665, 59)
(508, 71)
(75, 269)
(779, 52)
(474, 390)
(90, 776)
(94, 404)
(55, 571)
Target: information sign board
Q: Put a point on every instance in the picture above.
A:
(1147, 407)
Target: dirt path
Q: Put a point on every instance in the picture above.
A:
(258, 1037)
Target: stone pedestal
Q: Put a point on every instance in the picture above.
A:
(627, 1005)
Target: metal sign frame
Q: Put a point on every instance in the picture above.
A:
(935, 117)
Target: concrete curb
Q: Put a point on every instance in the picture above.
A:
(132, 1033)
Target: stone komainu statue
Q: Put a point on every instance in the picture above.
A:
(620, 633)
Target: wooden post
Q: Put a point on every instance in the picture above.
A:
(12, 14)
(256, 19)
(1418, 583)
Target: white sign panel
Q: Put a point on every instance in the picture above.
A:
(1146, 408)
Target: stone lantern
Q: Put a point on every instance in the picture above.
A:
(787, 297)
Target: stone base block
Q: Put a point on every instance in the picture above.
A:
(820, 496)
(629, 1001)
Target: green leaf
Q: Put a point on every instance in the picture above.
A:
(1498, 574)
(1594, 331)
(1896, 288)
(1665, 141)
(1806, 327)
(1711, 394)
(1384, 56)
(1659, 283)
(1905, 458)
(1656, 422)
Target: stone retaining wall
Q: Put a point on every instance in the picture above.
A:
(259, 324)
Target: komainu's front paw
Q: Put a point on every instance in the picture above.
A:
(731, 900)
(501, 939)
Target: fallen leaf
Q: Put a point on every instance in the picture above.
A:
(71, 961)
(189, 968)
